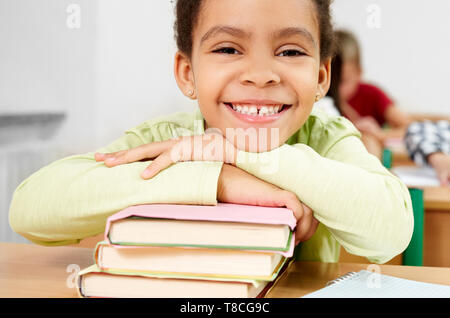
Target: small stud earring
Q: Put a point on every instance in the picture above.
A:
(191, 93)
(318, 97)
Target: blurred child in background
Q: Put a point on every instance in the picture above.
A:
(366, 105)
(428, 143)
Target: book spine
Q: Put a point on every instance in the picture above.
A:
(272, 284)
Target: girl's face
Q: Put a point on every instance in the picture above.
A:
(255, 64)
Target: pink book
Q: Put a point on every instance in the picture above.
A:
(224, 226)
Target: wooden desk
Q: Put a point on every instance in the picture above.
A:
(302, 278)
(400, 156)
(431, 117)
(437, 199)
(36, 271)
(437, 226)
(28, 270)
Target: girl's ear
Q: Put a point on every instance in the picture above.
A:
(184, 75)
(324, 79)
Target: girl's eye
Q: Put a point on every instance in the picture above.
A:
(226, 50)
(230, 50)
(290, 53)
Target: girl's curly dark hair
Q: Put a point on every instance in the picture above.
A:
(187, 11)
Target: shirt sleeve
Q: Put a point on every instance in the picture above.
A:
(71, 198)
(366, 208)
(381, 102)
(425, 138)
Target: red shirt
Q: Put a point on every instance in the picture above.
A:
(371, 101)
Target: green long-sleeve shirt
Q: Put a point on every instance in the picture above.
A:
(360, 205)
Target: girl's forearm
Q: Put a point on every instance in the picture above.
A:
(367, 209)
(70, 199)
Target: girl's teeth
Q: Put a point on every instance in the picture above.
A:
(264, 110)
(253, 110)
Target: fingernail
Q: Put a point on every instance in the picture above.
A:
(111, 160)
(146, 174)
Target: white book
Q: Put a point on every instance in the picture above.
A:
(160, 232)
(190, 261)
(92, 282)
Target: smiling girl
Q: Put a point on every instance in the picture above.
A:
(253, 66)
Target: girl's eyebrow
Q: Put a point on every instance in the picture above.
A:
(224, 29)
(283, 33)
(291, 31)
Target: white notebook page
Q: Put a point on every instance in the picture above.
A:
(365, 284)
(417, 176)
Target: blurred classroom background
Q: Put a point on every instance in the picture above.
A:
(75, 74)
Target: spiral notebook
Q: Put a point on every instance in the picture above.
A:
(366, 284)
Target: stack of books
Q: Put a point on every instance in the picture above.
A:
(188, 251)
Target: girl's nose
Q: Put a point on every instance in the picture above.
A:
(259, 73)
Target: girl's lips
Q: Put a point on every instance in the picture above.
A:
(257, 119)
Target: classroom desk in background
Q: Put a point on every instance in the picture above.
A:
(400, 157)
(430, 117)
(433, 221)
(397, 154)
(28, 270)
(436, 248)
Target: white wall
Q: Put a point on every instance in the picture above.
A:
(45, 66)
(408, 55)
(109, 75)
(134, 66)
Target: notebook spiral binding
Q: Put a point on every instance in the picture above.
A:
(342, 278)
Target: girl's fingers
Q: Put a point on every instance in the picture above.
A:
(290, 201)
(312, 229)
(305, 224)
(147, 151)
(161, 162)
(103, 156)
(99, 156)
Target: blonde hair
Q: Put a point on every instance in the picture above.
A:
(348, 47)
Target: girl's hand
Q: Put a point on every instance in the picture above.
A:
(239, 187)
(211, 146)
(234, 186)
(441, 163)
